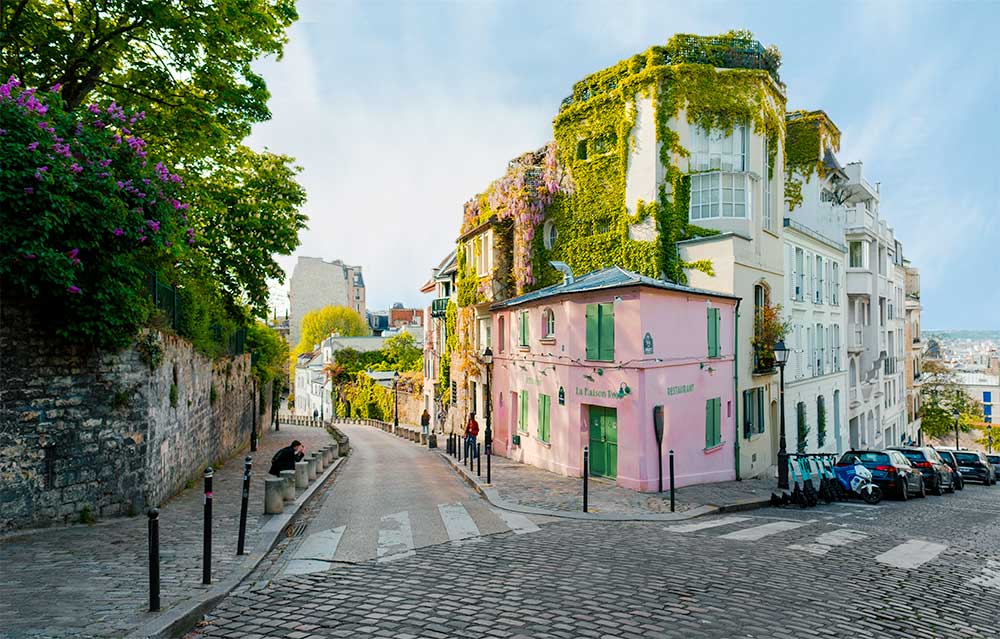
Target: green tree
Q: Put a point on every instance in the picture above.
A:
(187, 65)
(270, 350)
(943, 400)
(319, 324)
(400, 353)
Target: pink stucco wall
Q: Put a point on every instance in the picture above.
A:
(677, 323)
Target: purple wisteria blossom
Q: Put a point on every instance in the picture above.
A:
(55, 88)
(76, 168)
(153, 224)
(75, 290)
(33, 146)
(118, 232)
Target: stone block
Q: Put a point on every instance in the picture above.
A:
(302, 475)
(274, 495)
(311, 466)
(288, 476)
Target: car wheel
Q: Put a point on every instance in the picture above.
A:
(959, 483)
(923, 489)
(951, 485)
(904, 494)
(938, 488)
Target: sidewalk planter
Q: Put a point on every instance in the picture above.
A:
(585, 362)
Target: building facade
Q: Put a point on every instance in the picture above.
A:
(316, 283)
(591, 361)
(913, 342)
(437, 360)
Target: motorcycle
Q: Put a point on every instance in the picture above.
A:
(855, 478)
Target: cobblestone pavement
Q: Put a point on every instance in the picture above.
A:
(530, 486)
(928, 568)
(91, 581)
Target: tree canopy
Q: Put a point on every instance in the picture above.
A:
(942, 399)
(322, 323)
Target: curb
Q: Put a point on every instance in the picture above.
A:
(491, 495)
(180, 619)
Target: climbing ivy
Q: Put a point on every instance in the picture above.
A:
(808, 135)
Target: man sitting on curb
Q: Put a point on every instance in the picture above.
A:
(285, 458)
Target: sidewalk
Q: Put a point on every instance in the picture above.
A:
(92, 581)
(532, 490)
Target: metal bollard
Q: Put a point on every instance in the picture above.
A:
(671, 480)
(289, 477)
(274, 495)
(302, 475)
(240, 542)
(479, 462)
(489, 456)
(586, 474)
(154, 559)
(206, 545)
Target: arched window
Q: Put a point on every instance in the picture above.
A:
(549, 234)
(500, 332)
(548, 323)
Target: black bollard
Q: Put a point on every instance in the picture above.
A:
(458, 446)
(586, 474)
(240, 543)
(154, 559)
(671, 480)
(489, 454)
(206, 546)
(479, 462)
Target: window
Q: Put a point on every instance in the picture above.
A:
(818, 352)
(753, 412)
(858, 252)
(835, 347)
(601, 332)
(987, 397)
(549, 234)
(717, 150)
(475, 397)
(485, 334)
(604, 143)
(988, 409)
(767, 188)
(522, 333)
(820, 421)
(800, 274)
(544, 404)
(548, 324)
(713, 332)
(581, 150)
(522, 424)
(835, 284)
(717, 194)
(713, 422)
(500, 333)
(818, 275)
(483, 253)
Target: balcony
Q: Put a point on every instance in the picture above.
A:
(861, 282)
(439, 306)
(857, 341)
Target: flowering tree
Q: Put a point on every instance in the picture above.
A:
(85, 213)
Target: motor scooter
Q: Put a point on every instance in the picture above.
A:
(855, 478)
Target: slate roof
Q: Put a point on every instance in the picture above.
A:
(613, 277)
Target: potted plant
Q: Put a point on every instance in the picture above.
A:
(768, 329)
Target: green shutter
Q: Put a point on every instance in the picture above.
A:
(606, 341)
(709, 407)
(593, 328)
(544, 402)
(522, 327)
(713, 332)
(713, 422)
(523, 423)
(718, 421)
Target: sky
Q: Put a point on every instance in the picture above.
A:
(399, 112)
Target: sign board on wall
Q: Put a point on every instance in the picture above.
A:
(562, 396)
(647, 344)
(680, 390)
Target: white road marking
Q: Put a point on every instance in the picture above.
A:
(315, 553)
(459, 524)
(847, 504)
(911, 554)
(395, 538)
(765, 530)
(707, 523)
(516, 521)
(826, 542)
(990, 576)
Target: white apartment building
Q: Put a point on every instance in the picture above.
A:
(316, 283)
(815, 306)
(913, 340)
(442, 286)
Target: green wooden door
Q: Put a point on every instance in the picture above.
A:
(603, 441)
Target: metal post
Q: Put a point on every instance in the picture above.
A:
(659, 463)
(479, 461)
(488, 435)
(240, 543)
(253, 413)
(672, 504)
(395, 419)
(782, 445)
(957, 417)
(206, 547)
(154, 559)
(586, 474)
(989, 440)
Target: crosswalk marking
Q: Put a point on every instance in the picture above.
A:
(764, 530)
(516, 521)
(709, 523)
(315, 553)
(828, 540)
(395, 538)
(989, 577)
(911, 554)
(458, 523)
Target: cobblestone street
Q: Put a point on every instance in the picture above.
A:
(91, 581)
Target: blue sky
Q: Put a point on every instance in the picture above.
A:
(399, 112)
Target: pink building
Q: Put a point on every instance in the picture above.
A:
(584, 363)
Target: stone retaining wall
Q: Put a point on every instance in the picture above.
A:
(85, 433)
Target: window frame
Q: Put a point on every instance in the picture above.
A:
(719, 192)
(524, 330)
(548, 323)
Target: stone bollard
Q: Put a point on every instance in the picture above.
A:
(288, 476)
(432, 441)
(274, 495)
(334, 451)
(311, 466)
(423, 439)
(328, 450)
(345, 446)
(320, 461)
(302, 475)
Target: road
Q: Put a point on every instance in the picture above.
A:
(928, 567)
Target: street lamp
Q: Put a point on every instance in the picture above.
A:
(488, 437)
(395, 410)
(781, 358)
(957, 416)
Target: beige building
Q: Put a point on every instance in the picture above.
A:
(316, 283)
(913, 341)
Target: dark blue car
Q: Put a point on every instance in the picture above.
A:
(891, 471)
(974, 465)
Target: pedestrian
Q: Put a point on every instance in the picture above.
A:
(425, 422)
(315, 414)
(285, 458)
(471, 432)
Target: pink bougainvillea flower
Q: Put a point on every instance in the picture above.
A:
(3, 131)
(166, 244)
(72, 253)
(75, 290)
(118, 232)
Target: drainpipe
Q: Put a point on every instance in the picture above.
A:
(736, 388)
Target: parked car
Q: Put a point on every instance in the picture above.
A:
(974, 465)
(938, 475)
(891, 471)
(949, 458)
(995, 460)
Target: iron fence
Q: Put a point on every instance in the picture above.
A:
(167, 301)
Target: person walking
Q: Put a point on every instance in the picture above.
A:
(425, 422)
(471, 432)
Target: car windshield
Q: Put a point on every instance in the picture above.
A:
(865, 456)
(913, 455)
(945, 455)
(967, 458)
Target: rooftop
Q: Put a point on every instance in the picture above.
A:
(613, 277)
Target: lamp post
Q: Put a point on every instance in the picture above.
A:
(781, 358)
(488, 436)
(989, 440)
(957, 416)
(395, 410)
